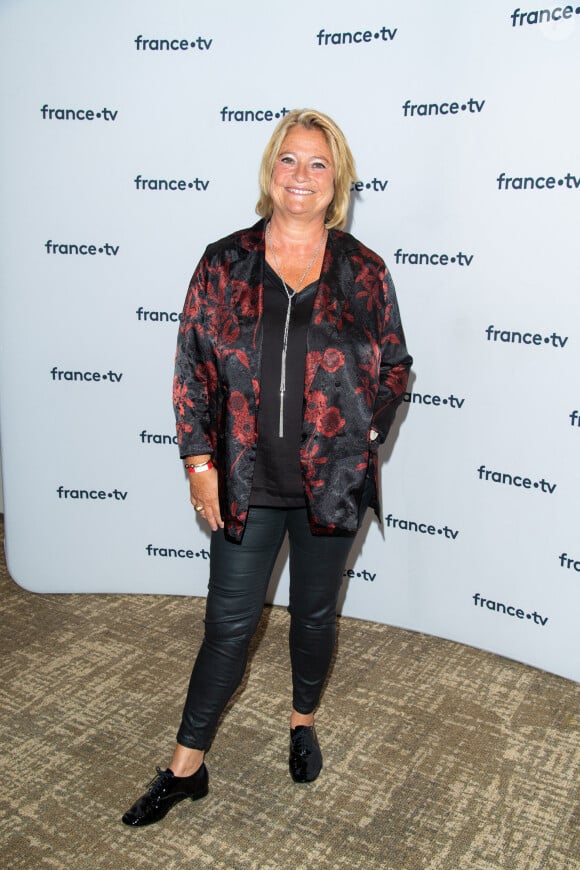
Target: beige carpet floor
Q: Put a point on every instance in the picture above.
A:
(437, 756)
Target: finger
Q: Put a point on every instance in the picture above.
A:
(213, 517)
(209, 513)
(204, 492)
(217, 515)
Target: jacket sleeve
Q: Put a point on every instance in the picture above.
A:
(395, 362)
(195, 376)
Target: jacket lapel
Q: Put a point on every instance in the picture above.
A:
(334, 286)
(248, 294)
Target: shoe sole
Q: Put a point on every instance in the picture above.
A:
(195, 797)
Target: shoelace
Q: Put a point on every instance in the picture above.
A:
(302, 742)
(158, 783)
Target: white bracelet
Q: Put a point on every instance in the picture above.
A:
(199, 467)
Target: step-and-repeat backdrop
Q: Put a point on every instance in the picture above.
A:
(132, 136)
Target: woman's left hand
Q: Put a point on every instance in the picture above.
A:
(203, 494)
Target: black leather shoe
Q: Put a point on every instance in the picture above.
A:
(164, 792)
(305, 756)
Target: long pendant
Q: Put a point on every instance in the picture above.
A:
(289, 294)
(283, 366)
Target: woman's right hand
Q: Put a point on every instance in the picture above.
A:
(203, 494)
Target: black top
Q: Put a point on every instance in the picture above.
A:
(277, 480)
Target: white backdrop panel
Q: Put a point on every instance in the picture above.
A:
(464, 124)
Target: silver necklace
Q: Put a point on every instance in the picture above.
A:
(290, 295)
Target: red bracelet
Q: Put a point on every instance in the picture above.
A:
(201, 466)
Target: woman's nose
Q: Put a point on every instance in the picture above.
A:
(301, 170)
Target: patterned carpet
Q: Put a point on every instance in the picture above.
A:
(437, 756)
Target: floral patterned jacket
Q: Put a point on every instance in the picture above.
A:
(357, 367)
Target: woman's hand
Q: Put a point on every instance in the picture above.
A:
(203, 494)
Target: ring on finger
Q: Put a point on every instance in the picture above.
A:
(199, 507)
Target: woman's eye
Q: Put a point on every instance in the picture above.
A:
(319, 165)
(286, 160)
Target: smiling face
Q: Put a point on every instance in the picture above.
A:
(302, 184)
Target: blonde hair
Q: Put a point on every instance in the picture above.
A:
(344, 168)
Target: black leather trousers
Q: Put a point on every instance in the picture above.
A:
(239, 577)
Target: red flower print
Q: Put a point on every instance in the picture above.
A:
(219, 275)
(345, 316)
(397, 379)
(315, 406)
(366, 388)
(310, 461)
(324, 305)
(243, 298)
(243, 423)
(192, 306)
(367, 275)
(237, 403)
(207, 374)
(313, 360)
(332, 359)
(242, 357)
(370, 298)
(256, 388)
(392, 338)
(230, 329)
(181, 429)
(331, 422)
(369, 372)
(180, 397)
(239, 515)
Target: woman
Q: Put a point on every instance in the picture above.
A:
(291, 361)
